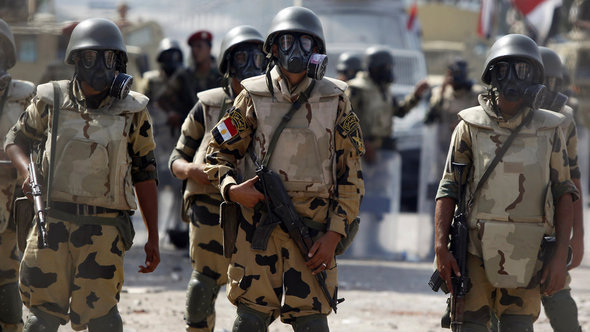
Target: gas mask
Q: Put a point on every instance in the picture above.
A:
(459, 75)
(554, 101)
(295, 55)
(247, 61)
(169, 61)
(98, 69)
(513, 79)
(382, 74)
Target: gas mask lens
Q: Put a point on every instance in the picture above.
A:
(88, 58)
(522, 70)
(287, 40)
(241, 58)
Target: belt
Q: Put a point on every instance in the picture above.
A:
(82, 209)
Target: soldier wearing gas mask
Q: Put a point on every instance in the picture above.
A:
(14, 96)
(316, 151)
(512, 204)
(96, 154)
(241, 58)
(348, 65)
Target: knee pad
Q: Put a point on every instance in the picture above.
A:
(250, 320)
(311, 323)
(562, 311)
(200, 298)
(11, 307)
(40, 321)
(111, 322)
(515, 323)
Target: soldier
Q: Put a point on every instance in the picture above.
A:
(241, 57)
(318, 158)
(98, 146)
(14, 97)
(511, 208)
(349, 63)
(181, 94)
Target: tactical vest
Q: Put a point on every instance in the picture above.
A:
(514, 207)
(92, 163)
(212, 101)
(376, 111)
(18, 97)
(304, 154)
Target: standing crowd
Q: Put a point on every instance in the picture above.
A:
(216, 134)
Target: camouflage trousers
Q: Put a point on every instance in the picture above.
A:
(9, 266)
(483, 297)
(206, 250)
(78, 276)
(276, 281)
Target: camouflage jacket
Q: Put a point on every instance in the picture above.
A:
(129, 117)
(335, 200)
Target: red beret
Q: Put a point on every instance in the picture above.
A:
(200, 35)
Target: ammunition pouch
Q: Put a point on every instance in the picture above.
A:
(229, 219)
(23, 214)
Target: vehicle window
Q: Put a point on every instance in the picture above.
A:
(27, 49)
(367, 29)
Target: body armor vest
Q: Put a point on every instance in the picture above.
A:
(92, 164)
(517, 190)
(213, 101)
(18, 97)
(304, 155)
(376, 109)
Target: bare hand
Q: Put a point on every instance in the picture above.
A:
(245, 193)
(421, 87)
(26, 187)
(152, 256)
(322, 252)
(554, 275)
(446, 265)
(577, 244)
(197, 173)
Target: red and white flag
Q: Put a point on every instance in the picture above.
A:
(485, 19)
(538, 15)
(412, 16)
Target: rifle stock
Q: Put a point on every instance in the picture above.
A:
(279, 204)
(40, 211)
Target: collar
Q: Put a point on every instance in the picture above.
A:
(495, 114)
(282, 85)
(80, 98)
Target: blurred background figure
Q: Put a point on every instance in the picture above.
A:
(58, 70)
(349, 63)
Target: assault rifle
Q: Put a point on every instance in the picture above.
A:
(459, 234)
(40, 211)
(279, 206)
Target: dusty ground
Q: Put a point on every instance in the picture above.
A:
(380, 296)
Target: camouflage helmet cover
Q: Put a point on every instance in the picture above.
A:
(95, 34)
(514, 46)
(235, 36)
(551, 62)
(296, 19)
(7, 40)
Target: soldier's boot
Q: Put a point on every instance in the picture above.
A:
(40, 321)
(515, 323)
(11, 311)
(110, 322)
(200, 303)
(311, 323)
(562, 311)
(250, 320)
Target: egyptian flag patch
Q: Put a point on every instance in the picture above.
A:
(224, 131)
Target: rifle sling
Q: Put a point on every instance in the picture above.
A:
(500, 154)
(54, 126)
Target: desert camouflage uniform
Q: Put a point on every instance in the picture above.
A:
(201, 203)
(80, 274)
(318, 156)
(18, 96)
(538, 152)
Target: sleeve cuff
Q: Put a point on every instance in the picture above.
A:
(338, 225)
(225, 183)
(566, 187)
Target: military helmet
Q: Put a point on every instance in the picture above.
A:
(296, 19)
(235, 36)
(7, 39)
(96, 34)
(513, 46)
(378, 56)
(167, 44)
(551, 62)
(349, 61)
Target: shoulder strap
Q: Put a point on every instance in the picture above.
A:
(303, 97)
(500, 154)
(54, 124)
